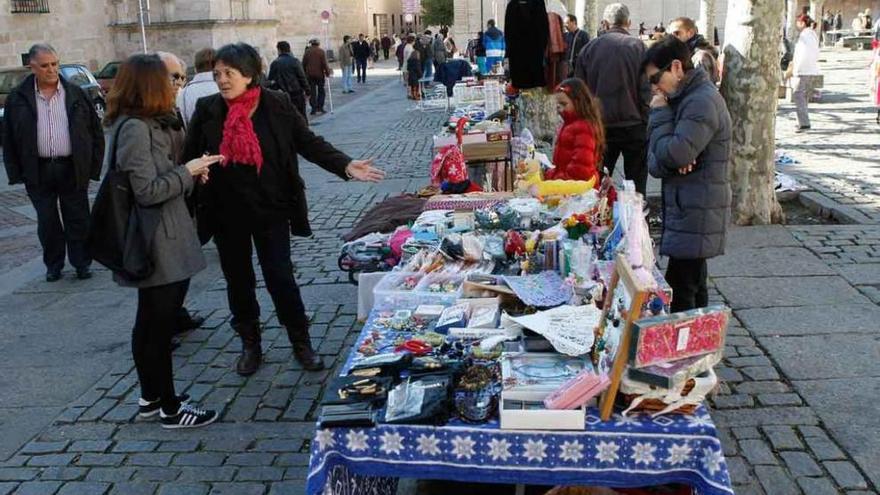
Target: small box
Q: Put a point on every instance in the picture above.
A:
(668, 338)
(527, 379)
(430, 310)
(484, 316)
(668, 375)
(529, 413)
(454, 316)
(578, 391)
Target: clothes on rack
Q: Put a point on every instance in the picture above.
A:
(526, 42)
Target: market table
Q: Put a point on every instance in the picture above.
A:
(628, 451)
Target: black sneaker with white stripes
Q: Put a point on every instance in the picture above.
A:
(147, 409)
(188, 417)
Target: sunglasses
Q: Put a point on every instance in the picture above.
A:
(655, 77)
(177, 77)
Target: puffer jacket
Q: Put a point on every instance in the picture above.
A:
(693, 127)
(575, 154)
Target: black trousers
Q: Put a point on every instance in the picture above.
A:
(57, 187)
(385, 51)
(235, 240)
(317, 94)
(631, 142)
(360, 66)
(151, 341)
(688, 281)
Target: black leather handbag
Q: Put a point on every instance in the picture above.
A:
(121, 231)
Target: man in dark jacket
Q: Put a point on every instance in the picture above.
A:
(387, 43)
(610, 66)
(361, 51)
(54, 144)
(689, 148)
(575, 41)
(703, 54)
(317, 70)
(287, 73)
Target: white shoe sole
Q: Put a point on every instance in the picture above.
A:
(181, 427)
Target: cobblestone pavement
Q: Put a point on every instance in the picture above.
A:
(795, 410)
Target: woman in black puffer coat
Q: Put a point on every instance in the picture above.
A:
(689, 149)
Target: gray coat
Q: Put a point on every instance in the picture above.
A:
(695, 126)
(146, 152)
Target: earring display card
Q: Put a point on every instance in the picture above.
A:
(667, 338)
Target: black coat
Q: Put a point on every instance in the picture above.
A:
(20, 142)
(292, 137)
(694, 127)
(527, 32)
(287, 73)
(361, 50)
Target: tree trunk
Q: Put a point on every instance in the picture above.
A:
(749, 86)
(791, 15)
(816, 7)
(591, 17)
(706, 23)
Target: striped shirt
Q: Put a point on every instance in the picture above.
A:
(53, 133)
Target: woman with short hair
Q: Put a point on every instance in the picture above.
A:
(143, 126)
(256, 195)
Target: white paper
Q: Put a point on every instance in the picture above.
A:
(683, 335)
(570, 329)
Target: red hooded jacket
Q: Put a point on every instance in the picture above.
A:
(575, 153)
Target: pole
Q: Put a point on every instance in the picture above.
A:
(143, 24)
(330, 95)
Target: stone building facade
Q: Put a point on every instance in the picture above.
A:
(94, 32)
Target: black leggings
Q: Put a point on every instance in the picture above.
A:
(151, 341)
(687, 278)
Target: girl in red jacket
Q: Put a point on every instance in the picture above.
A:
(581, 140)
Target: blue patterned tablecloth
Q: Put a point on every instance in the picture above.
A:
(623, 452)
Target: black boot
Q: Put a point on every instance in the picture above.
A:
(302, 348)
(251, 348)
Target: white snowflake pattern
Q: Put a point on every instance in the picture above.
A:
(357, 440)
(712, 460)
(499, 449)
(535, 451)
(428, 445)
(607, 451)
(463, 447)
(571, 451)
(643, 453)
(325, 439)
(625, 420)
(679, 454)
(702, 421)
(392, 442)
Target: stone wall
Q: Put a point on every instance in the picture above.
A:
(76, 28)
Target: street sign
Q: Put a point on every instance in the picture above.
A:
(325, 16)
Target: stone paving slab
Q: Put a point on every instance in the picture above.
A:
(746, 292)
(813, 319)
(825, 356)
(760, 237)
(768, 262)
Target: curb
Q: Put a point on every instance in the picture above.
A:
(828, 208)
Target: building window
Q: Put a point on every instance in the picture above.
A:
(30, 6)
(238, 9)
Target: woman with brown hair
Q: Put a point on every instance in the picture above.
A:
(142, 127)
(256, 196)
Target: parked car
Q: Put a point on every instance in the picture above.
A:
(72, 73)
(107, 76)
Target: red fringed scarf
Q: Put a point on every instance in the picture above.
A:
(240, 143)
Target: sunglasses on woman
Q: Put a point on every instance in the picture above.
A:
(655, 77)
(177, 76)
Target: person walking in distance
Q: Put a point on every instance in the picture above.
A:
(387, 43)
(288, 75)
(256, 196)
(361, 52)
(575, 41)
(54, 145)
(202, 84)
(142, 126)
(317, 70)
(689, 150)
(804, 68)
(494, 44)
(346, 63)
(610, 65)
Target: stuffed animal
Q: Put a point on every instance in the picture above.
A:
(531, 181)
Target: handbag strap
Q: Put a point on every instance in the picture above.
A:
(111, 165)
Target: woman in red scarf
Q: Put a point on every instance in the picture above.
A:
(257, 195)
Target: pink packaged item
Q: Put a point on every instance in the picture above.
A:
(577, 391)
(668, 338)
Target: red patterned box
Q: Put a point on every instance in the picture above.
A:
(666, 338)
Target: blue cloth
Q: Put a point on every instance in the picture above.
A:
(451, 72)
(346, 78)
(623, 452)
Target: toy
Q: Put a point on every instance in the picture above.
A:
(531, 181)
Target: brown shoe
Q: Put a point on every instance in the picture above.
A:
(251, 348)
(302, 349)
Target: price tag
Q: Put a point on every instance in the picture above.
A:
(683, 335)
